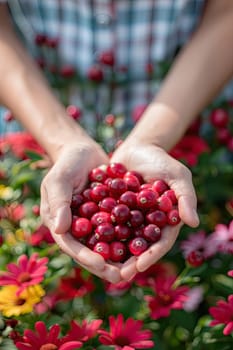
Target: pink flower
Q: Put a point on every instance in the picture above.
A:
(19, 143)
(83, 332)
(230, 273)
(199, 242)
(117, 289)
(147, 277)
(14, 212)
(42, 339)
(41, 235)
(195, 296)
(26, 273)
(166, 298)
(189, 149)
(223, 238)
(126, 335)
(223, 314)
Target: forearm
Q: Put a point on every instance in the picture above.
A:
(24, 90)
(198, 74)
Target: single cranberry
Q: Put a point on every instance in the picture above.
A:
(99, 192)
(159, 186)
(67, 71)
(146, 186)
(95, 73)
(137, 174)
(173, 217)
(171, 195)
(136, 218)
(129, 198)
(97, 174)
(122, 232)
(116, 187)
(157, 217)
(195, 258)
(164, 203)
(118, 251)
(81, 227)
(91, 241)
(76, 201)
(116, 170)
(138, 245)
(87, 194)
(219, 118)
(88, 209)
(120, 214)
(107, 204)
(103, 249)
(147, 199)
(105, 232)
(100, 217)
(107, 58)
(36, 210)
(152, 233)
(110, 119)
(74, 112)
(132, 183)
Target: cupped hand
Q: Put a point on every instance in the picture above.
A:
(67, 176)
(155, 163)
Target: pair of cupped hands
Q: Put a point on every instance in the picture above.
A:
(69, 174)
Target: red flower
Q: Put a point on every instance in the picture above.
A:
(14, 212)
(230, 273)
(147, 277)
(19, 143)
(42, 339)
(189, 149)
(117, 289)
(126, 335)
(166, 298)
(28, 272)
(84, 332)
(223, 314)
(76, 286)
(42, 234)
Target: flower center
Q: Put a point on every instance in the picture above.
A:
(48, 347)
(122, 341)
(165, 298)
(20, 301)
(24, 277)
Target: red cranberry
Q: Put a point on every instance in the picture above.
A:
(160, 186)
(152, 233)
(40, 39)
(219, 118)
(88, 209)
(99, 192)
(132, 183)
(36, 210)
(136, 218)
(129, 198)
(97, 174)
(100, 217)
(91, 241)
(164, 203)
(117, 251)
(67, 71)
(173, 217)
(223, 135)
(138, 245)
(87, 194)
(116, 187)
(95, 73)
(77, 200)
(81, 227)
(107, 58)
(122, 232)
(147, 199)
(107, 204)
(145, 186)
(120, 214)
(105, 232)
(171, 194)
(116, 170)
(103, 249)
(135, 173)
(74, 112)
(157, 217)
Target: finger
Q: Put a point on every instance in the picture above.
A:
(187, 200)
(59, 195)
(79, 252)
(158, 249)
(128, 269)
(44, 208)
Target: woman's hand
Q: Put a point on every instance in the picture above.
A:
(67, 176)
(154, 163)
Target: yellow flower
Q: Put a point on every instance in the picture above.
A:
(12, 304)
(6, 192)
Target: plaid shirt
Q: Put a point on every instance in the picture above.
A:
(141, 34)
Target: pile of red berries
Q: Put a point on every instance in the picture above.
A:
(119, 215)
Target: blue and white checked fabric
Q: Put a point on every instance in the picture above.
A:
(139, 32)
